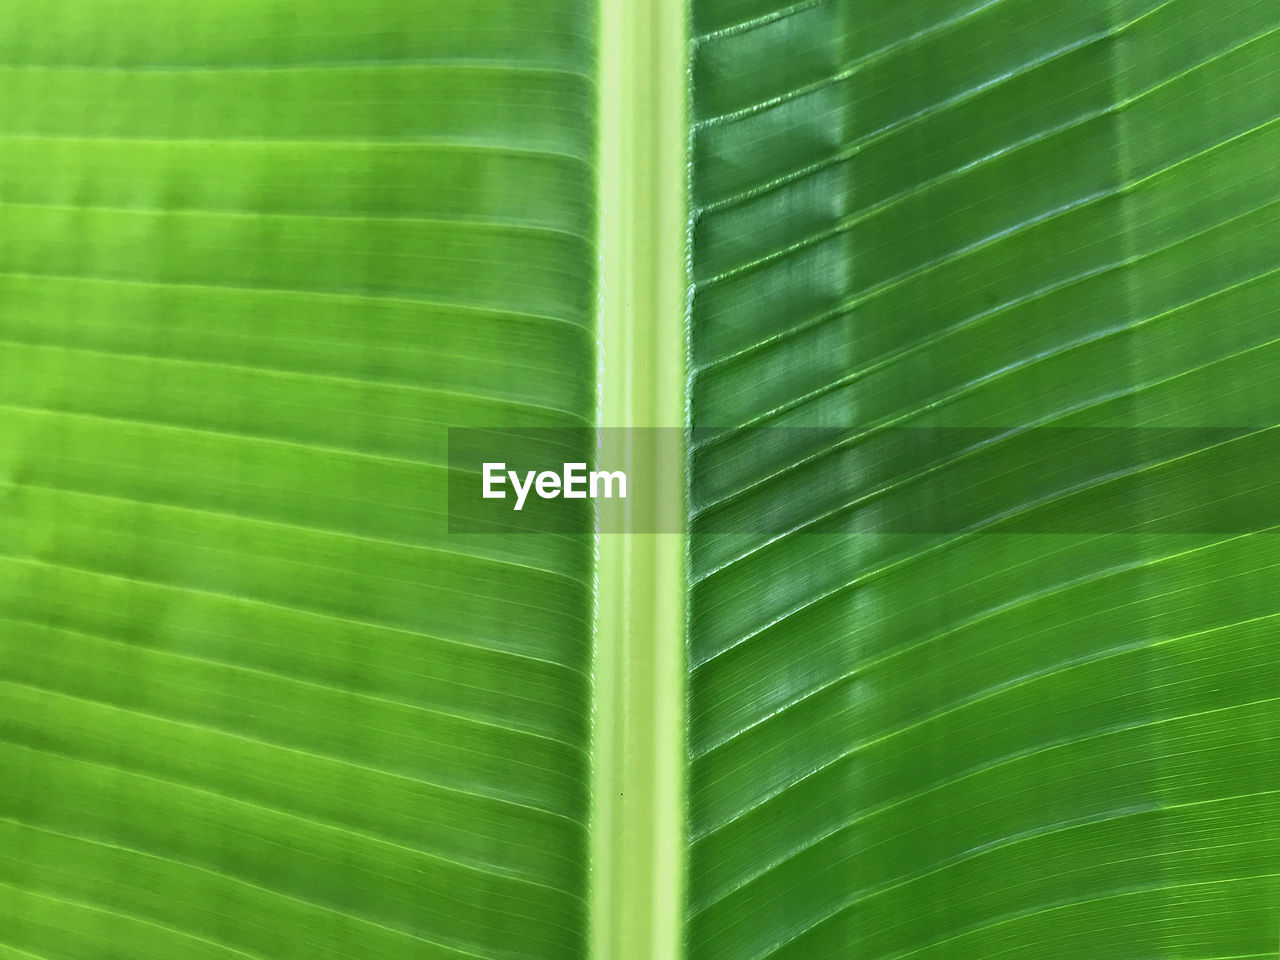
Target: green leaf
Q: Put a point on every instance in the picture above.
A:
(961, 742)
(947, 292)
(257, 257)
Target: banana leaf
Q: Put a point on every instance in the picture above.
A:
(977, 301)
(969, 674)
(257, 257)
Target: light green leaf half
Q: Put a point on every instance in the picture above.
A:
(256, 257)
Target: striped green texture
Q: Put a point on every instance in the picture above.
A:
(256, 256)
(955, 213)
(256, 703)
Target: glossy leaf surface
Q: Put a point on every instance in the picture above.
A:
(958, 743)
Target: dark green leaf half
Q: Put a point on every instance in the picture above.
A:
(967, 742)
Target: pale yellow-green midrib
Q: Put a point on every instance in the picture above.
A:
(638, 841)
